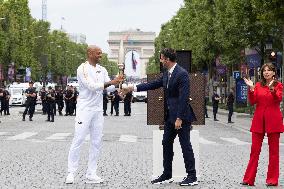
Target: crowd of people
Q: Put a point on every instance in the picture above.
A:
(96, 90)
(115, 97)
(52, 100)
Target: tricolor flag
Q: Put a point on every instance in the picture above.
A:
(134, 62)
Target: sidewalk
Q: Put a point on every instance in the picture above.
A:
(241, 121)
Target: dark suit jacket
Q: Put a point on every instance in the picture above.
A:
(176, 95)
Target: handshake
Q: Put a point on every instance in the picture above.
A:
(126, 89)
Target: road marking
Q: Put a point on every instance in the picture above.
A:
(2, 133)
(128, 138)
(235, 141)
(22, 136)
(204, 141)
(58, 136)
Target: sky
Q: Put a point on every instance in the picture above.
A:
(96, 18)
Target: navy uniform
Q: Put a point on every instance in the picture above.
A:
(5, 102)
(127, 104)
(31, 95)
(105, 101)
(50, 99)
(68, 101)
(59, 100)
(42, 95)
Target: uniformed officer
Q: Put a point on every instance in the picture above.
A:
(30, 102)
(42, 95)
(5, 102)
(105, 101)
(127, 103)
(92, 79)
(59, 99)
(68, 101)
(50, 99)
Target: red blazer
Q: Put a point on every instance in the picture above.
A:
(267, 116)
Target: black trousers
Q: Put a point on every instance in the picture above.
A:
(215, 111)
(127, 107)
(50, 110)
(230, 108)
(30, 106)
(169, 136)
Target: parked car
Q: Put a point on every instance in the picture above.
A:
(140, 96)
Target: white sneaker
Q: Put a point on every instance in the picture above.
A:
(94, 180)
(69, 178)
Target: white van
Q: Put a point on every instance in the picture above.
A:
(17, 93)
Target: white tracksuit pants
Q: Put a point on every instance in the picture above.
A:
(86, 122)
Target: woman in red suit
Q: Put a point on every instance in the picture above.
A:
(267, 95)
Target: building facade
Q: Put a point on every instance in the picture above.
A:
(142, 43)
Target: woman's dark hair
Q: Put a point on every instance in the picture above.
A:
(271, 67)
(169, 53)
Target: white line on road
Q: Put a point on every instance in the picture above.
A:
(128, 138)
(204, 141)
(22, 136)
(235, 141)
(58, 136)
(2, 133)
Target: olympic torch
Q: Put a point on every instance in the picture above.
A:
(121, 57)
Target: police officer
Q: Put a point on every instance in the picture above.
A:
(68, 102)
(127, 103)
(42, 95)
(5, 102)
(74, 100)
(116, 100)
(105, 101)
(50, 99)
(30, 102)
(59, 99)
(111, 97)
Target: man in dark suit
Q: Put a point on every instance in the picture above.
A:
(178, 118)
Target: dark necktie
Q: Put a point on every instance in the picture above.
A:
(169, 77)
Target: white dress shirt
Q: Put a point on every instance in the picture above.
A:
(91, 83)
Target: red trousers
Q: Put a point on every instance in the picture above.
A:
(273, 167)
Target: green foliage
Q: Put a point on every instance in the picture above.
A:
(27, 42)
(212, 28)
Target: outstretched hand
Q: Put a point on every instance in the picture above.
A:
(249, 82)
(126, 89)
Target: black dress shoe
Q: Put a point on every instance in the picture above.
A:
(231, 122)
(216, 120)
(246, 184)
(31, 119)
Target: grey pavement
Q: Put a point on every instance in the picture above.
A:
(39, 159)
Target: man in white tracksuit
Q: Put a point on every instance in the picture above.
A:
(92, 79)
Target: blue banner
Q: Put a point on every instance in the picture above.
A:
(28, 74)
(241, 91)
(253, 60)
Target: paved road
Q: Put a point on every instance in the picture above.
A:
(34, 154)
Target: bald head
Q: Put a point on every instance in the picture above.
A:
(94, 54)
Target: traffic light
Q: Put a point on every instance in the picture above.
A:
(273, 57)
